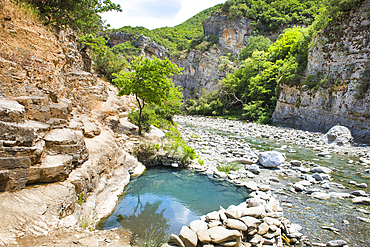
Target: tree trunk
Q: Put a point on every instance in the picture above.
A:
(139, 121)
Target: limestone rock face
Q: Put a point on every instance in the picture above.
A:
(232, 33)
(53, 132)
(339, 53)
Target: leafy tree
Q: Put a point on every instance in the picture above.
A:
(147, 79)
(255, 43)
(81, 15)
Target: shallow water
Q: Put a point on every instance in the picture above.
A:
(167, 199)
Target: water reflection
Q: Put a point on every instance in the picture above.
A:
(166, 199)
(139, 219)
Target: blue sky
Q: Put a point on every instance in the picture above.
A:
(156, 13)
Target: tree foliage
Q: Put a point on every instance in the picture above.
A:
(81, 15)
(148, 80)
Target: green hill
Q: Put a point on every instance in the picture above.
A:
(174, 37)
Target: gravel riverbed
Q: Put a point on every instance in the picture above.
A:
(322, 187)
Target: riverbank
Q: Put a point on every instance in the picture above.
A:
(329, 204)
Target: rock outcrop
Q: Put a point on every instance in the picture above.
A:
(341, 53)
(61, 163)
(148, 47)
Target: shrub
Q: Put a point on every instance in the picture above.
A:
(226, 168)
(146, 118)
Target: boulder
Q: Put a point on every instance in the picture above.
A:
(254, 168)
(257, 212)
(263, 229)
(197, 225)
(220, 234)
(361, 200)
(158, 133)
(320, 195)
(336, 243)
(203, 236)
(271, 159)
(174, 239)
(235, 224)
(338, 135)
(321, 169)
(188, 237)
(250, 221)
(295, 162)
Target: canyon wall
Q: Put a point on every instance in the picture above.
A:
(63, 132)
(340, 53)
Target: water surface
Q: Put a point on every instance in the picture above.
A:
(166, 199)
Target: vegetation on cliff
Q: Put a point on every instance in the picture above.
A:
(81, 15)
(173, 38)
(251, 91)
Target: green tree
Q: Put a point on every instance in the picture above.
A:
(148, 80)
(255, 43)
(81, 15)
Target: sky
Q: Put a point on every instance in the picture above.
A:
(156, 13)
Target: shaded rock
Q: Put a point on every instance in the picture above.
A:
(359, 193)
(296, 162)
(361, 200)
(52, 169)
(174, 239)
(255, 169)
(271, 159)
(188, 237)
(220, 234)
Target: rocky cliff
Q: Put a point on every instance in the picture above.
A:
(148, 47)
(203, 70)
(339, 53)
(62, 135)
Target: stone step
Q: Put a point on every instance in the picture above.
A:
(11, 111)
(15, 163)
(17, 134)
(16, 151)
(53, 168)
(62, 137)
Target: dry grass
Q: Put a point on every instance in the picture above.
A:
(18, 9)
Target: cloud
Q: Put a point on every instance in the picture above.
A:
(156, 13)
(190, 8)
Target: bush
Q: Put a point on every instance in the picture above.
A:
(146, 118)
(255, 43)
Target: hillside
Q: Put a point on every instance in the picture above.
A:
(172, 37)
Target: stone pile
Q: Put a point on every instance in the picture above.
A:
(255, 222)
